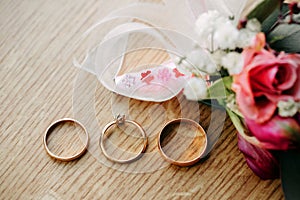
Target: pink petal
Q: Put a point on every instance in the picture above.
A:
(262, 162)
(278, 133)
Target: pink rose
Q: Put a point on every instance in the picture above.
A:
(264, 81)
(279, 133)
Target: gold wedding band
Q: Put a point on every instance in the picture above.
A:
(67, 158)
(119, 121)
(200, 134)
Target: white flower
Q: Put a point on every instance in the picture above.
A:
(199, 61)
(253, 25)
(217, 31)
(197, 58)
(207, 23)
(206, 26)
(288, 108)
(246, 38)
(233, 62)
(247, 35)
(195, 89)
(211, 67)
(217, 57)
(226, 35)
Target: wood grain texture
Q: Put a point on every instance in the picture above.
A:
(38, 41)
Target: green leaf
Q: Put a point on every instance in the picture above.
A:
(236, 121)
(286, 37)
(213, 103)
(272, 19)
(220, 88)
(228, 82)
(264, 9)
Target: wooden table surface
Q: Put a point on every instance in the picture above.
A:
(39, 84)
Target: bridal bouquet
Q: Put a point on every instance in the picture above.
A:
(250, 65)
(258, 62)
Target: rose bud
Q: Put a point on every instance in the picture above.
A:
(261, 161)
(279, 133)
